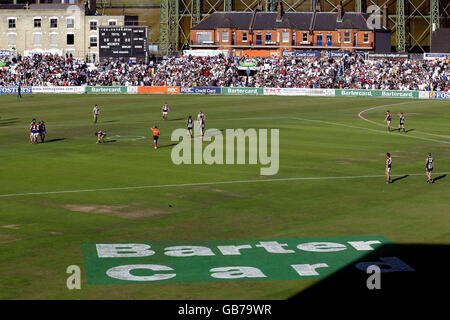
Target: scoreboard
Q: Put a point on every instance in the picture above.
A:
(123, 42)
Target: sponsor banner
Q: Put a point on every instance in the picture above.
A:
(340, 54)
(231, 260)
(261, 53)
(13, 90)
(132, 89)
(298, 92)
(303, 54)
(204, 53)
(158, 89)
(107, 90)
(248, 63)
(54, 89)
(424, 95)
(242, 90)
(377, 93)
(388, 55)
(5, 53)
(201, 90)
(439, 95)
(429, 56)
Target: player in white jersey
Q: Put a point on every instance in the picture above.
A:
(96, 111)
(200, 117)
(165, 111)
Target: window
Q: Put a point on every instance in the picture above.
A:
(12, 39)
(93, 25)
(258, 39)
(218, 36)
(11, 23)
(366, 38)
(37, 22)
(131, 20)
(244, 36)
(224, 36)
(268, 37)
(53, 23)
(112, 22)
(204, 37)
(93, 42)
(346, 37)
(305, 37)
(53, 39)
(70, 23)
(339, 37)
(285, 37)
(70, 39)
(37, 39)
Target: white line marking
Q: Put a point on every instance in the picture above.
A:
(213, 183)
(373, 130)
(388, 105)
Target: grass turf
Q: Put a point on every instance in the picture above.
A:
(40, 235)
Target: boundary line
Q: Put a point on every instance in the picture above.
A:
(379, 124)
(212, 183)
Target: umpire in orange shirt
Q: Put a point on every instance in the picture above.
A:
(156, 134)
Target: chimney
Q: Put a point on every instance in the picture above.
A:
(92, 5)
(385, 16)
(279, 11)
(259, 6)
(318, 6)
(339, 17)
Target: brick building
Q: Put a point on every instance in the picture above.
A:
(260, 30)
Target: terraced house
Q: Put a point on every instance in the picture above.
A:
(260, 30)
(61, 28)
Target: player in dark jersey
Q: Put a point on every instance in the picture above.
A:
(38, 131)
(189, 124)
(42, 131)
(165, 111)
(19, 91)
(100, 135)
(388, 120)
(388, 168)
(202, 126)
(429, 167)
(401, 124)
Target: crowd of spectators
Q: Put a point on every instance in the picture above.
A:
(349, 72)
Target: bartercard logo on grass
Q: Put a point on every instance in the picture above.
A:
(203, 261)
(231, 144)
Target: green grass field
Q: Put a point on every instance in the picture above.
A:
(41, 234)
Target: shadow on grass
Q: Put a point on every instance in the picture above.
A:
(409, 273)
(55, 140)
(109, 121)
(167, 145)
(399, 178)
(5, 122)
(409, 130)
(439, 178)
